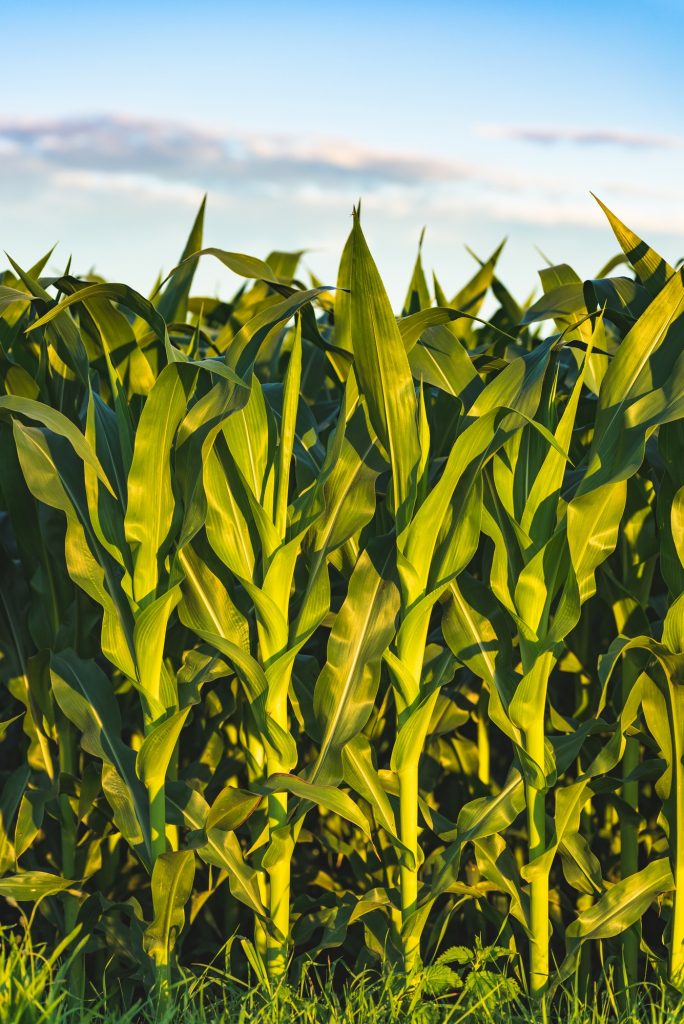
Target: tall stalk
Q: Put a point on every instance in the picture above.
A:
(277, 945)
(408, 817)
(629, 838)
(483, 744)
(539, 889)
(411, 644)
(157, 802)
(531, 713)
(68, 758)
(676, 837)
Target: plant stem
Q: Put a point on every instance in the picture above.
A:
(260, 933)
(584, 900)
(483, 750)
(156, 797)
(157, 800)
(539, 890)
(677, 956)
(171, 831)
(279, 866)
(411, 651)
(629, 839)
(67, 765)
(279, 894)
(676, 834)
(408, 822)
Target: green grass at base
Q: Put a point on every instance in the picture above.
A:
(34, 990)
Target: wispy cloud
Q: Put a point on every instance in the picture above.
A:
(180, 151)
(172, 160)
(122, 151)
(542, 135)
(140, 186)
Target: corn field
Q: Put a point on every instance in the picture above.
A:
(340, 633)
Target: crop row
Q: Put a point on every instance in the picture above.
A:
(352, 634)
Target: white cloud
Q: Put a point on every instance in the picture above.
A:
(549, 135)
(217, 160)
(172, 150)
(140, 186)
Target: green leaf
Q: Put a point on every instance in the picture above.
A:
(58, 424)
(641, 388)
(231, 808)
(172, 878)
(33, 885)
(330, 797)
(410, 739)
(623, 904)
(172, 303)
(148, 522)
(149, 634)
(360, 773)
(237, 262)
(417, 296)
(384, 374)
(85, 695)
(651, 269)
(218, 848)
(154, 756)
(345, 689)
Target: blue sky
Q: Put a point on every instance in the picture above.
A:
(477, 121)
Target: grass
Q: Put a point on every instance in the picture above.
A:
(33, 990)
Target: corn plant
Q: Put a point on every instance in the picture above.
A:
(341, 632)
